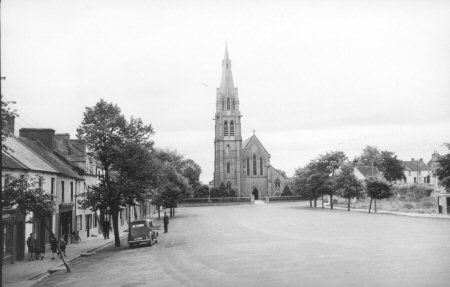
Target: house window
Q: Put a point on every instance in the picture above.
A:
(248, 166)
(62, 191)
(228, 167)
(254, 164)
(420, 172)
(95, 221)
(409, 173)
(71, 191)
(79, 222)
(40, 182)
(225, 128)
(231, 128)
(260, 166)
(228, 104)
(52, 186)
(415, 180)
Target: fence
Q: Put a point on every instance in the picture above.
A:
(215, 200)
(285, 198)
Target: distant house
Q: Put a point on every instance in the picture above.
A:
(364, 172)
(416, 171)
(432, 165)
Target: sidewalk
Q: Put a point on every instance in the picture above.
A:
(400, 213)
(24, 273)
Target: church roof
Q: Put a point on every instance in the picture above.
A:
(246, 143)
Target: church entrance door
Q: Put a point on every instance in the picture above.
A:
(255, 193)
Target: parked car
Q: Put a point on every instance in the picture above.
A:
(142, 232)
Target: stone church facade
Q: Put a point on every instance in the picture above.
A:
(240, 165)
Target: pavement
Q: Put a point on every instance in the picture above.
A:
(25, 273)
(280, 244)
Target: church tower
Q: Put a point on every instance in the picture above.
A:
(228, 140)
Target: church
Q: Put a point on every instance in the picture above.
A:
(240, 165)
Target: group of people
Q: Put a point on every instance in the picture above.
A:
(36, 253)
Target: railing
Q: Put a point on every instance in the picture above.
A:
(207, 200)
(286, 198)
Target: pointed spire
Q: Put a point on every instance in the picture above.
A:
(227, 77)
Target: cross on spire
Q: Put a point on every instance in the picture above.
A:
(254, 132)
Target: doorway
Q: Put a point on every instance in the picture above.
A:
(255, 193)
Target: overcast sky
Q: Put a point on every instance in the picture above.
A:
(313, 76)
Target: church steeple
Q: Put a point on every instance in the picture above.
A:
(227, 76)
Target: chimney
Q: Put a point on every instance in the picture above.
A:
(45, 136)
(412, 159)
(421, 159)
(10, 124)
(62, 143)
(80, 144)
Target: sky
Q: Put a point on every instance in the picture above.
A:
(313, 76)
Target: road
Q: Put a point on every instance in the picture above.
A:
(280, 244)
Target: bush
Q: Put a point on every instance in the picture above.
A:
(408, 205)
(412, 191)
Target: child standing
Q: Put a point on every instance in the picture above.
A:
(54, 247)
(62, 246)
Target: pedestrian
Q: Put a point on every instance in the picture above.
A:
(166, 222)
(53, 246)
(31, 244)
(106, 229)
(62, 246)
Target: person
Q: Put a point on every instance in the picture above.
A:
(31, 244)
(62, 246)
(166, 222)
(106, 229)
(38, 253)
(53, 246)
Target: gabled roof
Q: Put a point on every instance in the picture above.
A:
(415, 165)
(253, 138)
(26, 156)
(48, 155)
(10, 163)
(366, 171)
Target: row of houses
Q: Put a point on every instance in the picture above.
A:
(65, 169)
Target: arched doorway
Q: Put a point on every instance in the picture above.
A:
(255, 193)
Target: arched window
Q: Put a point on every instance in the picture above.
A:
(254, 164)
(234, 105)
(228, 148)
(223, 105)
(231, 128)
(277, 184)
(260, 166)
(228, 104)
(228, 167)
(248, 166)
(225, 128)
(228, 185)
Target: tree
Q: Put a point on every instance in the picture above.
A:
(346, 184)
(123, 148)
(443, 170)
(26, 196)
(202, 191)
(214, 192)
(325, 167)
(286, 191)
(370, 156)
(377, 189)
(391, 167)
(191, 171)
(222, 190)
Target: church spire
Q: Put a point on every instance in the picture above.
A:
(227, 77)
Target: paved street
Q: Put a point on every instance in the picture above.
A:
(281, 244)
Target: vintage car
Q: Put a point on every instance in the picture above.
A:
(142, 232)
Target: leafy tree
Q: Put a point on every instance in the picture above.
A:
(123, 148)
(26, 196)
(443, 169)
(191, 171)
(323, 168)
(378, 189)
(231, 192)
(286, 191)
(391, 167)
(202, 191)
(346, 184)
(370, 156)
(301, 185)
(7, 113)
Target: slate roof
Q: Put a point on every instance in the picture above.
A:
(247, 141)
(10, 163)
(366, 171)
(48, 155)
(413, 165)
(25, 156)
